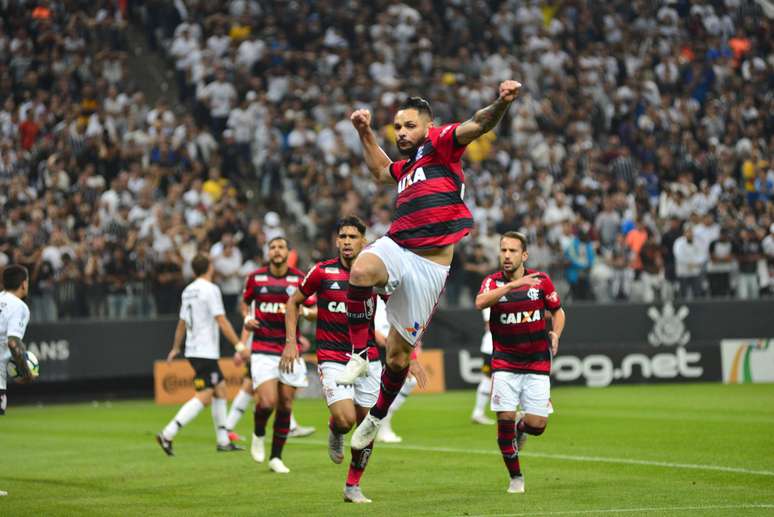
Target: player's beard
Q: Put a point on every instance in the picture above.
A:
(409, 151)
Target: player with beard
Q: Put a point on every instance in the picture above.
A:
(349, 404)
(270, 287)
(411, 263)
(523, 348)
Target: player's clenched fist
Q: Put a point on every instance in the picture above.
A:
(361, 119)
(509, 90)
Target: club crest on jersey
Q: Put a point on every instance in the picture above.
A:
(411, 178)
(290, 290)
(510, 318)
(533, 294)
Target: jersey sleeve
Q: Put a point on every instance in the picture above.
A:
(445, 142)
(216, 302)
(311, 282)
(551, 298)
(487, 285)
(395, 168)
(247, 293)
(17, 322)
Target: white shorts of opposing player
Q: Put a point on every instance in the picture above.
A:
(265, 367)
(530, 391)
(363, 392)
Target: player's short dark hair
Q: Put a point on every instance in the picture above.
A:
(279, 238)
(513, 234)
(417, 103)
(200, 264)
(14, 276)
(353, 221)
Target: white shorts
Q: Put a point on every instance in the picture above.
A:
(3, 373)
(364, 392)
(414, 285)
(265, 367)
(530, 390)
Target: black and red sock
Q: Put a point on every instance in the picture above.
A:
(260, 417)
(506, 439)
(358, 464)
(360, 312)
(281, 430)
(392, 382)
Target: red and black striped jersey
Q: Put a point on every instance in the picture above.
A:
(429, 211)
(270, 294)
(517, 321)
(329, 280)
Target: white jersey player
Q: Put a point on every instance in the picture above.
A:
(485, 386)
(201, 317)
(14, 316)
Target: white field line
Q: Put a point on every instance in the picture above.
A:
(634, 510)
(566, 457)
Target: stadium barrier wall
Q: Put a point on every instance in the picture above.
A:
(602, 344)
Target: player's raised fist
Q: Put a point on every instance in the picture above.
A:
(509, 90)
(361, 119)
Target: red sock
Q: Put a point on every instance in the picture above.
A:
(358, 464)
(360, 312)
(506, 435)
(392, 382)
(260, 417)
(281, 430)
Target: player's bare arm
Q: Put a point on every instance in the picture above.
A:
(489, 298)
(418, 372)
(290, 352)
(231, 336)
(177, 343)
(557, 323)
(485, 119)
(376, 159)
(17, 349)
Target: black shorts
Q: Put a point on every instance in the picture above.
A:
(208, 374)
(486, 369)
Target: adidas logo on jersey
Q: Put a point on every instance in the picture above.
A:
(264, 290)
(335, 285)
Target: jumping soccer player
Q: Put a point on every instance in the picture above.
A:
(485, 386)
(201, 314)
(329, 280)
(523, 348)
(411, 263)
(270, 287)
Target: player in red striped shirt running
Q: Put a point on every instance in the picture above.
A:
(523, 348)
(329, 280)
(412, 261)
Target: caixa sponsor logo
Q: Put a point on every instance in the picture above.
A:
(55, 350)
(600, 370)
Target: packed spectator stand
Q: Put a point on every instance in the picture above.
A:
(638, 159)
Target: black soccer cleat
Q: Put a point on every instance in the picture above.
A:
(166, 445)
(231, 447)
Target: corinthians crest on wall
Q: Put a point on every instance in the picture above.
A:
(668, 326)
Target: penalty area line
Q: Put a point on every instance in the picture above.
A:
(569, 457)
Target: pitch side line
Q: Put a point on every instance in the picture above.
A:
(569, 457)
(632, 510)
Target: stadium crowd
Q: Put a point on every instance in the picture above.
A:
(638, 159)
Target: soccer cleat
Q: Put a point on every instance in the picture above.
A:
(3, 493)
(482, 419)
(229, 448)
(387, 435)
(365, 432)
(521, 436)
(301, 431)
(256, 449)
(166, 445)
(356, 367)
(276, 465)
(516, 486)
(335, 447)
(353, 494)
(233, 437)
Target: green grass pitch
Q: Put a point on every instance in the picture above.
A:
(702, 450)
